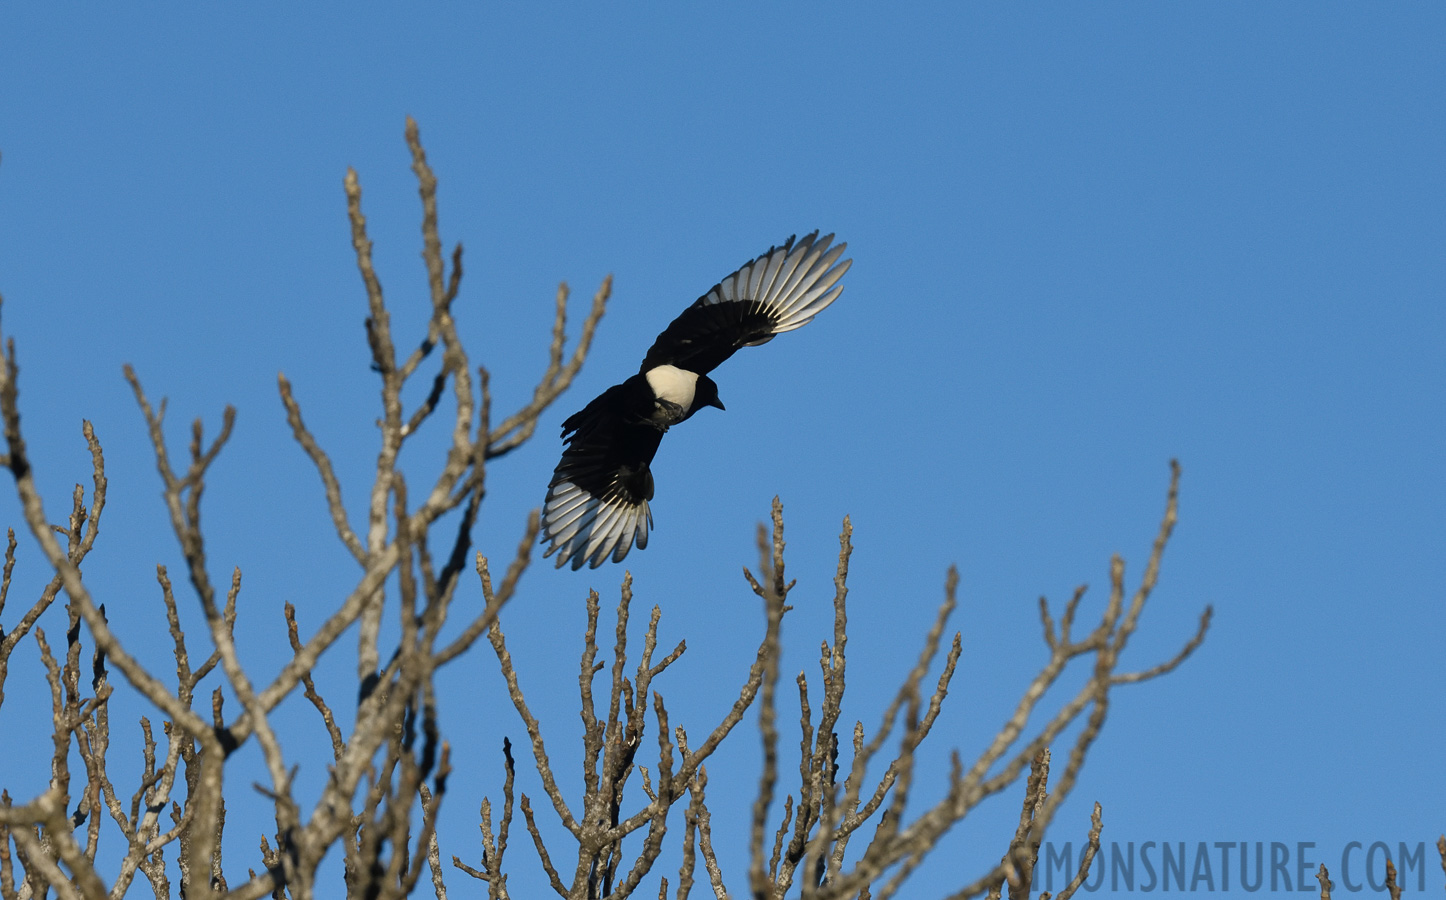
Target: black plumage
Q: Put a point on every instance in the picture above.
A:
(597, 502)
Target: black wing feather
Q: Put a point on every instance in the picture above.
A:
(597, 501)
(779, 291)
(706, 334)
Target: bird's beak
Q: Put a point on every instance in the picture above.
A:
(718, 403)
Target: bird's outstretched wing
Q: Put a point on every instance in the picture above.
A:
(597, 502)
(779, 291)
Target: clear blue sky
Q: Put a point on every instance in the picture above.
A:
(1087, 239)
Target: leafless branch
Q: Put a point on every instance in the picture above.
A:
(390, 763)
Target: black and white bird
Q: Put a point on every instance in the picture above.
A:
(597, 503)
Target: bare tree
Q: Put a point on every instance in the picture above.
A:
(809, 846)
(388, 770)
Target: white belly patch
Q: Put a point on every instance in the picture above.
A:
(673, 384)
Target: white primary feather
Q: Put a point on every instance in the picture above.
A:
(588, 529)
(792, 283)
(605, 530)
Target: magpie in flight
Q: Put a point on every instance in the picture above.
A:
(597, 502)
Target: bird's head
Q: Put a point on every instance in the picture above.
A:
(706, 394)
